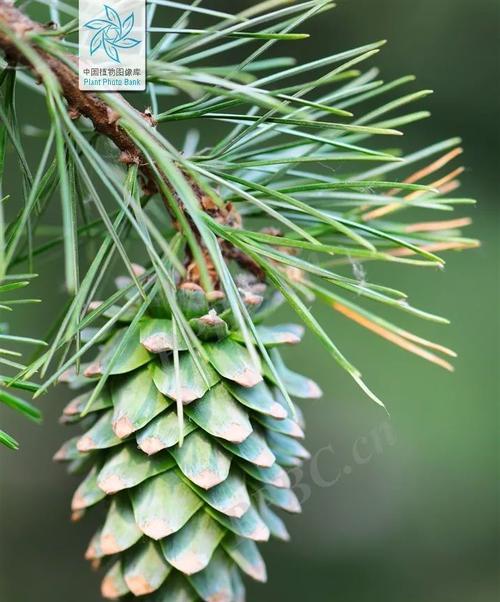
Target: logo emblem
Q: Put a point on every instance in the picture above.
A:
(111, 34)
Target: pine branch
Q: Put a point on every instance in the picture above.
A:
(187, 407)
(15, 25)
(247, 174)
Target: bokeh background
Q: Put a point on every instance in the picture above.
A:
(413, 512)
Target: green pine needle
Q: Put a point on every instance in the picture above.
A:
(301, 148)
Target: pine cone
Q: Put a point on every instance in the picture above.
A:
(188, 494)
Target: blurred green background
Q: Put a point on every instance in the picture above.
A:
(413, 514)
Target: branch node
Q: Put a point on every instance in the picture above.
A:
(149, 117)
(127, 158)
(112, 116)
(74, 113)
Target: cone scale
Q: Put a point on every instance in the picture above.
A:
(188, 498)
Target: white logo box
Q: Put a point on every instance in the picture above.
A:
(112, 45)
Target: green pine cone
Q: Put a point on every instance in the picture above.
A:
(188, 496)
